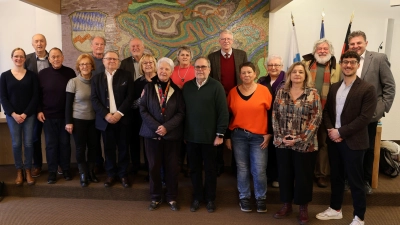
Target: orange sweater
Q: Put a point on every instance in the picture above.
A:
(250, 115)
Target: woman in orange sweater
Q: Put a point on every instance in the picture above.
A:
(248, 104)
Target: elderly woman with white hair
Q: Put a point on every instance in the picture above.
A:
(274, 80)
(163, 110)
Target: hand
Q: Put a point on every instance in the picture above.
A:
(40, 117)
(265, 142)
(110, 119)
(161, 130)
(69, 128)
(338, 140)
(117, 116)
(218, 141)
(228, 144)
(333, 134)
(288, 140)
(18, 118)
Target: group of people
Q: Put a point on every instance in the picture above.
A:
(317, 119)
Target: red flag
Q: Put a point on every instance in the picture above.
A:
(346, 41)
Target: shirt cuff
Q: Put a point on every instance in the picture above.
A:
(120, 113)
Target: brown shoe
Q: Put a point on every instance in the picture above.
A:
(36, 172)
(109, 182)
(322, 182)
(284, 211)
(29, 179)
(20, 178)
(303, 214)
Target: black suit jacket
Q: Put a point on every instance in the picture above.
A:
(357, 112)
(240, 57)
(31, 62)
(127, 64)
(123, 95)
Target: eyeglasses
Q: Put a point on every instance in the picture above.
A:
(85, 64)
(147, 63)
(225, 39)
(353, 63)
(111, 59)
(200, 67)
(273, 65)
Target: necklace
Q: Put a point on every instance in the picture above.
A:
(179, 75)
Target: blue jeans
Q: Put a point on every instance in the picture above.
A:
(58, 147)
(16, 131)
(250, 158)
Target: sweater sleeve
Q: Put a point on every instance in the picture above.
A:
(4, 98)
(222, 109)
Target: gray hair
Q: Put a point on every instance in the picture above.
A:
(203, 57)
(166, 60)
(98, 36)
(357, 33)
(111, 51)
(271, 57)
(226, 31)
(184, 48)
(324, 40)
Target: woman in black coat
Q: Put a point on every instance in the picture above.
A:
(163, 110)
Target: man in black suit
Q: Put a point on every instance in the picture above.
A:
(35, 62)
(349, 108)
(374, 69)
(112, 98)
(225, 69)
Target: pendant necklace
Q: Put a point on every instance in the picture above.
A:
(182, 78)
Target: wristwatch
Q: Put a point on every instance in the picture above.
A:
(220, 135)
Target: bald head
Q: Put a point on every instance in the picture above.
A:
(39, 44)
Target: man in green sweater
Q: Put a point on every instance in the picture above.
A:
(207, 119)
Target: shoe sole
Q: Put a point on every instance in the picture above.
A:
(35, 175)
(329, 218)
(283, 216)
(193, 210)
(262, 211)
(245, 210)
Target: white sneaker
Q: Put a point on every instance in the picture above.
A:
(357, 221)
(330, 214)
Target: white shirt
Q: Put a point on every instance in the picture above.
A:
(341, 96)
(113, 106)
(223, 53)
(359, 70)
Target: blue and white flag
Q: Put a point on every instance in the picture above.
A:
(294, 54)
(322, 33)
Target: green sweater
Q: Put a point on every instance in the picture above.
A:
(206, 111)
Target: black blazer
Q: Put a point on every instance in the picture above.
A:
(31, 62)
(150, 111)
(127, 64)
(240, 57)
(123, 95)
(357, 112)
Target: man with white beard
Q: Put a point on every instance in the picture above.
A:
(324, 71)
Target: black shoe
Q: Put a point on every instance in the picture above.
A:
(194, 206)
(154, 205)
(67, 175)
(1, 190)
(83, 180)
(220, 171)
(245, 205)
(368, 188)
(52, 178)
(210, 206)
(173, 205)
(125, 182)
(346, 185)
(261, 206)
(109, 182)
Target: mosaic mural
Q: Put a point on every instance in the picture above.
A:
(164, 26)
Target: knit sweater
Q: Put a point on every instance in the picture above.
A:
(250, 115)
(206, 111)
(52, 84)
(19, 96)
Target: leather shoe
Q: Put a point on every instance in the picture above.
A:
(368, 188)
(36, 171)
(125, 182)
(194, 206)
(284, 211)
(173, 205)
(322, 182)
(52, 178)
(109, 182)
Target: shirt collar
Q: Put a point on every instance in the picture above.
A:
(110, 74)
(223, 53)
(45, 57)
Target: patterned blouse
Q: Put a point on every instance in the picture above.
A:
(299, 118)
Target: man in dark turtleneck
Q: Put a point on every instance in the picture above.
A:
(51, 112)
(324, 71)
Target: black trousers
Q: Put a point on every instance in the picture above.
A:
(37, 144)
(343, 161)
(272, 165)
(296, 172)
(86, 136)
(369, 154)
(163, 153)
(115, 139)
(134, 145)
(199, 154)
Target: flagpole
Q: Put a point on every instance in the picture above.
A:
(294, 54)
(346, 42)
